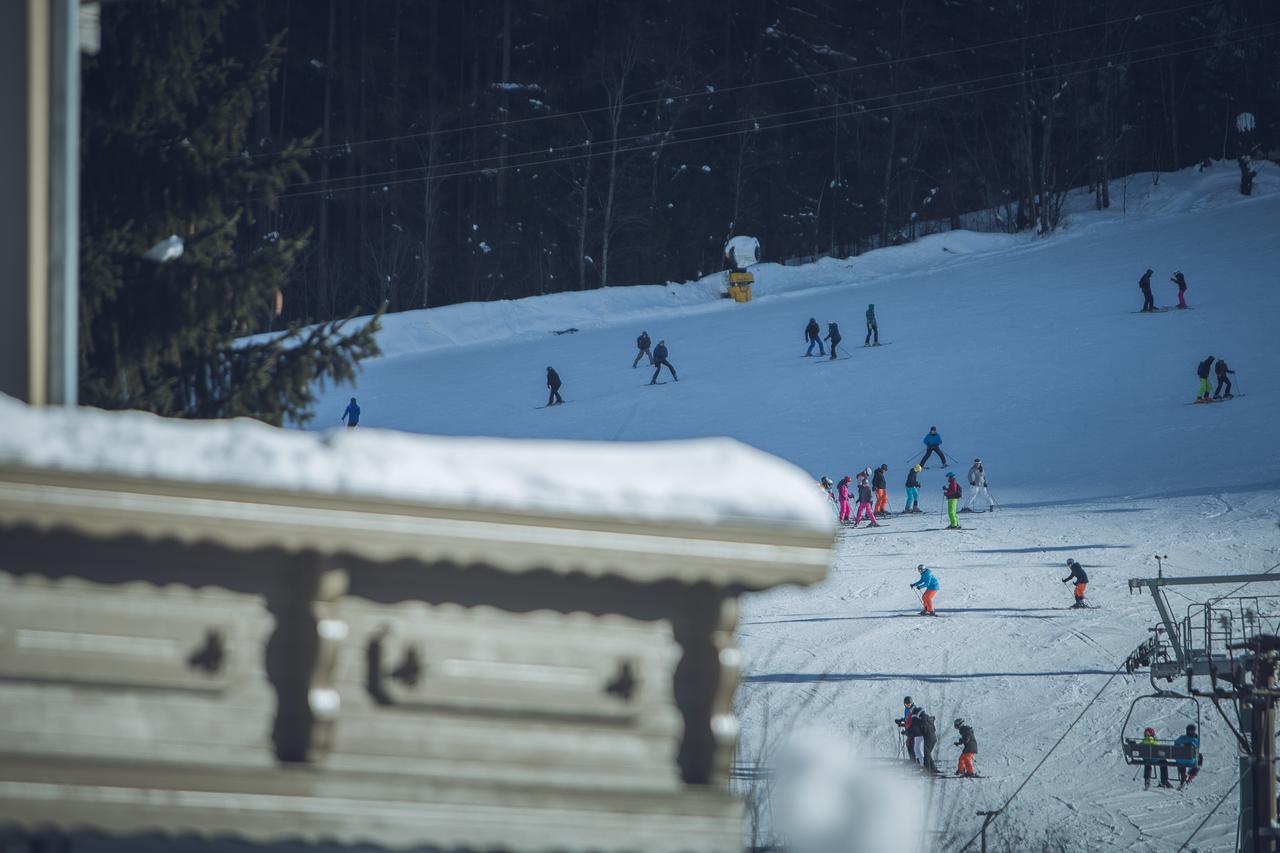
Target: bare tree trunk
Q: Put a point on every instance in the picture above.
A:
(583, 218)
(506, 78)
(615, 92)
(322, 230)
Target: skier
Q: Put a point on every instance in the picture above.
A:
(872, 328)
(1221, 370)
(951, 491)
(1189, 768)
(1180, 280)
(881, 489)
(1202, 396)
(1081, 579)
(864, 503)
(351, 414)
(968, 749)
(659, 359)
(1149, 739)
(933, 444)
(642, 344)
(906, 723)
(913, 489)
(842, 491)
(928, 583)
(1144, 284)
(978, 480)
(553, 382)
(928, 733)
(826, 485)
(813, 335)
(833, 335)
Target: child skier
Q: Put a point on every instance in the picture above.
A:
(929, 584)
(1187, 769)
(1180, 280)
(951, 491)
(659, 359)
(881, 489)
(978, 480)
(826, 485)
(1144, 284)
(1149, 738)
(842, 491)
(1081, 579)
(813, 335)
(864, 503)
(968, 749)
(351, 414)
(872, 329)
(913, 489)
(1221, 370)
(1202, 396)
(833, 335)
(642, 344)
(933, 444)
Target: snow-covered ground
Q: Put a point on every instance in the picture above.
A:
(1025, 352)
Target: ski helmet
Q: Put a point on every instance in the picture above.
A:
(916, 468)
(920, 568)
(1191, 730)
(1148, 732)
(906, 700)
(951, 475)
(1070, 561)
(959, 722)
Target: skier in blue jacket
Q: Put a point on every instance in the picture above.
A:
(351, 414)
(1187, 769)
(933, 444)
(929, 584)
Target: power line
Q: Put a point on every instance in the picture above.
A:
(433, 172)
(712, 91)
(1214, 810)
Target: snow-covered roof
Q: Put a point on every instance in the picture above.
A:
(706, 504)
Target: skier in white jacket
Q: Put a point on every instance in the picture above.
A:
(978, 481)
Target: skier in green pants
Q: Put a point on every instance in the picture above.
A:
(951, 491)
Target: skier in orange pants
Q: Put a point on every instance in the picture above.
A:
(929, 585)
(968, 748)
(881, 489)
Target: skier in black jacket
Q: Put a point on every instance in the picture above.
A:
(1221, 370)
(913, 489)
(1081, 579)
(833, 335)
(1202, 396)
(1144, 284)
(813, 334)
(925, 729)
(659, 359)
(642, 344)
(553, 382)
(968, 749)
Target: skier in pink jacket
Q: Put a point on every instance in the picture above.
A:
(842, 493)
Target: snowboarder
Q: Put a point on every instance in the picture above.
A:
(913, 489)
(978, 482)
(1144, 284)
(928, 584)
(933, 444)
(351, 414)
(1180, 280)
(833, 335)
(1149, 739)
(881, 489)
(659, 359)
(1077, 574)
(906, 723)
(968, 749)
(872, 328)
(928, 733)
(842, 490)
(1221, 370)
(1189, 768)
(553, 382)
(642, 344)
(813, 334)
(864, 503)
(1202, 396)
(951, 491)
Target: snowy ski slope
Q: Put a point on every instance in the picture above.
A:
(1024, 352)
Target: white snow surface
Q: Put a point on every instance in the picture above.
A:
(704, 480)
(1024, 351)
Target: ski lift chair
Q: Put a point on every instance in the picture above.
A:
(1164, 751)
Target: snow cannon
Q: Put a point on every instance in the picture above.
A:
(740, 253)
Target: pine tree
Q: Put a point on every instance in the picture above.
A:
(167, 114)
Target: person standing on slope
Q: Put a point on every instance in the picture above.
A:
(842, 491)
(659, 359)
(933, 444)
(1180, 280)
(968, 744)
(642, 344)
(881, 489)
(1188, 769)
(1221, 370)
(864, 503)
(553, 382)
(907, 723)
(833, 335)
(351, 414)
(872, 328)
(929, 586)
(1144, 284)
(928, 733)
(813, 335)
(1077, 574)
(978, 482)
(827, 489)
(951, 491)
(913, 489)
(1202, 396)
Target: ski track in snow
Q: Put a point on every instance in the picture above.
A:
(1022, 351)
